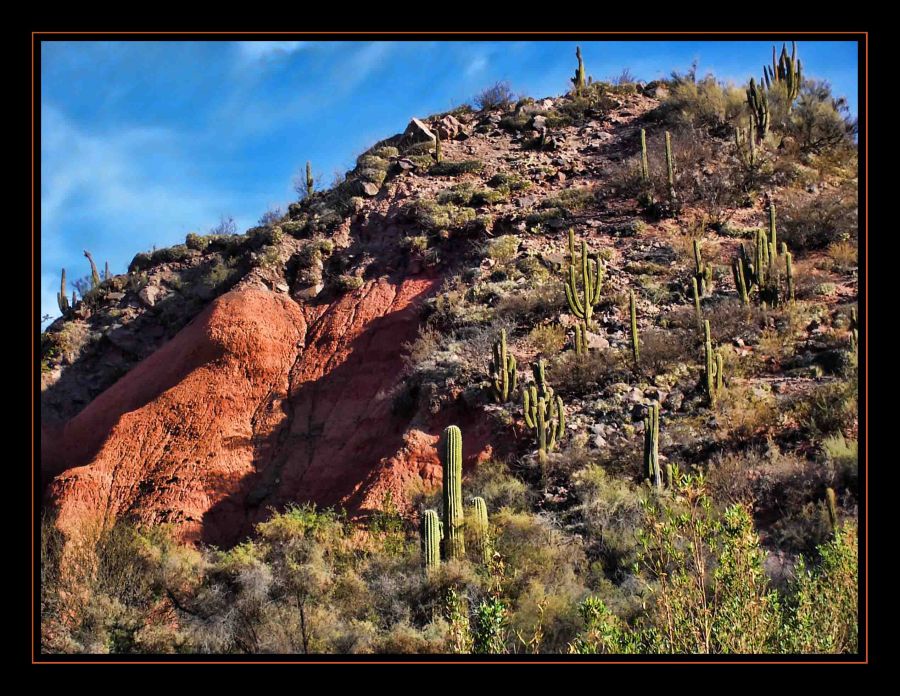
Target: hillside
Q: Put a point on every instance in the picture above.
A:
(318, 359)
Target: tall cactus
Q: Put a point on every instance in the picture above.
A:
(702, 271)
(539, 370)
(745, 140)
(635, 339)
(578, 80)
(670, 167)
(759, 109)
(451, 460)
(310, 182)
(95, 276)
(480, 528)
(61, 298)
(786, 71)
(645, 162)
(696, 299)
(546, 415)
(591, 282)
(759, 269)
(106, 274)
(432, 533)
(651, 445)
(740, 280)
(503, 370)
(789, 271)
(773, 240)
(438, 155)
(713, 375)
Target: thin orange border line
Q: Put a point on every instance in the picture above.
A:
(865, 660)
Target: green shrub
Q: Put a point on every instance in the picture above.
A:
(503, 249)
(814, 222)
(346, 283)
(547, 339)
(823, 606)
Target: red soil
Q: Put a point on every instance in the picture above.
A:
(257, 403)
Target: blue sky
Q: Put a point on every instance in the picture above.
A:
(145, 141)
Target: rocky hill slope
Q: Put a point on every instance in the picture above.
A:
(318, 358)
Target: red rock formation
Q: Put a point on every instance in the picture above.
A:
(257, 403)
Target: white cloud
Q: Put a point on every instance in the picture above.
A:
(476, 65)
(262, 50)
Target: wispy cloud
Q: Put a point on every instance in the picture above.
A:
(262, 50)
(476, 65)
(136, 184)
(342, 70)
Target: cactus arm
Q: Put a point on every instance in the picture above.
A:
(95, 276)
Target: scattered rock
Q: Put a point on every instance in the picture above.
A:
(448, 127)
(150, 294)
(417, 132)
(367, 188)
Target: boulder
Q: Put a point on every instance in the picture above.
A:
(367, 188)
(448, 127)
(150, 294)
(417, 132)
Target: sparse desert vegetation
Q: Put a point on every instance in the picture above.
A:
(639, 304)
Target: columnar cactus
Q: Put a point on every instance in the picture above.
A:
(786, 71)
(831, 501)
(451, 460)
(670, 167)
(438, 155)
(538, 369)
(106, 274)
(645, 163)
(702, 271)
(591, 282)
(546, 415)
(635, 340)
(503, 370)
(745, 140)
(571, 247)
(773, 241)
(432, 533)
(651, 445)
(578, 80)
(61, 298)
(759, 269)
(696, 299)
(581, 344)
(713, 376)
(95, 276)
(789, 271)
(740, 280)
(759, 109)
(479, 526)
(310, 182)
